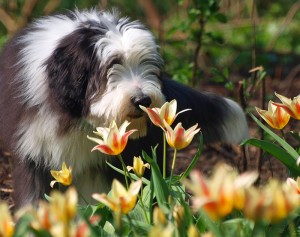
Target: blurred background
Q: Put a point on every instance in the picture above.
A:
(202, 41)
(243, 49)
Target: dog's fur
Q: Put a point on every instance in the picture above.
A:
(64, 75)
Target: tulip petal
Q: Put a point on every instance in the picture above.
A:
(135, 187)
(104, 149)
(153, 115)
(105, 200)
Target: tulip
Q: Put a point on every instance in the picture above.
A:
(180, 138)
(113, 140)
(138, 166)
(64, 206)
(221, 194)
(272, 203)
(160, 230)
(161, 117)
(166, 113)
(291, 106)
(275, 116)
(295, 184)
(6, 222)
(159, 217)
(83, 230)
(178, 215)
(193, 231)
(42, 217)
(121, 200)
(58, 215)
(63, 176)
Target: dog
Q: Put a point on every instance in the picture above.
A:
(64, 75)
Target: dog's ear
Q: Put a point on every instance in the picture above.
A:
(69, 69)
(220, 119)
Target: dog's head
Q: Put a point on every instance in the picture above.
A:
(100, 66)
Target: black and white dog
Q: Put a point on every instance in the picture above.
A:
(64, 75)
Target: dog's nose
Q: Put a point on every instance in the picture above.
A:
(143, 100)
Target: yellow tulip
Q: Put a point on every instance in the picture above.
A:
(178, 215)
(64, 206)
(180, 138)
(275, 116)
(113, 140)
(120, 200)
(63, 176)
(193, 231)
(291, 106)
(166, 113)
(6, 222)
(159, 217)
(138, 166)
(272, 203)
(160, 230)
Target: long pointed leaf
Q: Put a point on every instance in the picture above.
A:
(282, 155)
(282, 142)
(133, 176)
(159, 184)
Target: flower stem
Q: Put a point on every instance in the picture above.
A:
(173, 166)
(164, 156)
(125, 169)
(143, 206)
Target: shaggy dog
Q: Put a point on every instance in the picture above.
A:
(66, 74)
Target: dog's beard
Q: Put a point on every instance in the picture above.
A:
(117, 106)
(141, 125)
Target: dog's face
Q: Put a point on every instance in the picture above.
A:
(97, 66)
(131, 66)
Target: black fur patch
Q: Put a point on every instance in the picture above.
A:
(208, 110)
(70, 67)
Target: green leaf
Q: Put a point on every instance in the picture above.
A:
(282, 142)
(209, 224)
(160, 186)
(282, 155)
(237, 227)
(146, 196)
(23, 226)
(133, 176)
(142, 228)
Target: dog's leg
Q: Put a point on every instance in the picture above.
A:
(30, 183)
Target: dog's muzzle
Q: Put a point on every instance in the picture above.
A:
(138, 100)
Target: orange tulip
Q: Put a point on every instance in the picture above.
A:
(180, 138)
(221, 194)
(63, 176)
(120, 200)
(291, 106)
(113, 140)
(275, 116)
(166, 113)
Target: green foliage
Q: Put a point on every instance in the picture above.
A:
(283, 151)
